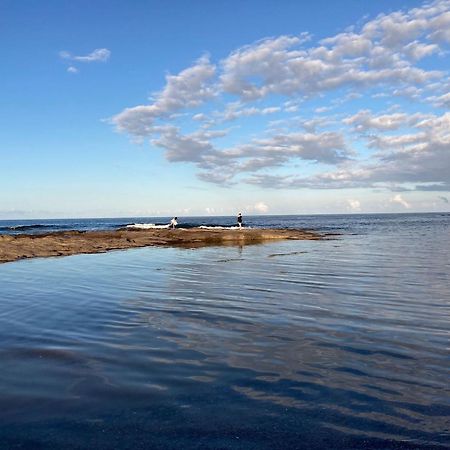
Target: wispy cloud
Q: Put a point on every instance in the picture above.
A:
(97, 55)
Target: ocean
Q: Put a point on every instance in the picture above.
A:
(354, 223)
(335, 344)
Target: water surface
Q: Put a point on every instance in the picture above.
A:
(300, 344)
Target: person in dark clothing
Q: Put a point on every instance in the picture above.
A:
(239, 220)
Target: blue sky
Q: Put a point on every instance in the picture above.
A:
(114, 108)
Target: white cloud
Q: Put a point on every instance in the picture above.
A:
(326, 147)
(411, 92)
(195, 147)
(72, 69)
(354, 205)
(323, 109)
(400, 200)
(440, 26)
(260, 207)
(200, 117)
(364, 120)
(236, 110)
(417, 50)
(395, 142)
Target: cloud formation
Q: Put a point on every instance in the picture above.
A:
(297, 100)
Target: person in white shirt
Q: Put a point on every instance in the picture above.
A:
(173, 222)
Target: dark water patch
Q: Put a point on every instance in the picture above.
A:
(60, 355)
(368, 352)
(274, 255)
(229, 260)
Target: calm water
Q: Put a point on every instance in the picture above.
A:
(340, 344)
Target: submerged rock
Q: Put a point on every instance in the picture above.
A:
(23, 246)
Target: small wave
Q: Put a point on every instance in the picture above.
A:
(121, 225)
(219, 227)
(147, 226)
(27, 227)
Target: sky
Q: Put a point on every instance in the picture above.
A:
(159, 108)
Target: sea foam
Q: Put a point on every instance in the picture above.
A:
(146, 226)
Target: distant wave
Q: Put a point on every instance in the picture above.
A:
(30, 227)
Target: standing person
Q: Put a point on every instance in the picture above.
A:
(239, 220)
(173, 223)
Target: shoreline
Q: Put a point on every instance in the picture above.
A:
(66, 243)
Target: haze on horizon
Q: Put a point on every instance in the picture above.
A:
(153, 109)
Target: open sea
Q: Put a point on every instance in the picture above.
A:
(335, 344)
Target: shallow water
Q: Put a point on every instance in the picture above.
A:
(337, 344)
